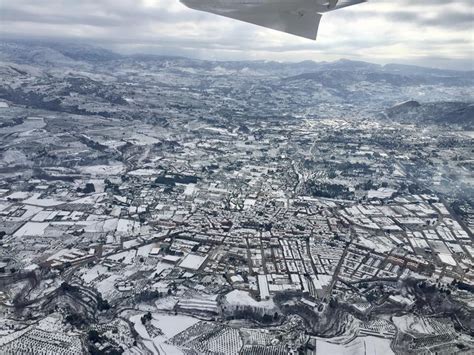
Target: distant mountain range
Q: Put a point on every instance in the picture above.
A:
(428, 95)
(53, 53)
(58, 53)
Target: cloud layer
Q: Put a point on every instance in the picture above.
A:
(430, 32)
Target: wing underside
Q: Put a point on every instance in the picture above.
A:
(303, 23)
(346, 3)
(297, 17)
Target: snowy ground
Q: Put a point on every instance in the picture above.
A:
(144, 172)
(359, 346)
(105, 170)
(412, 324)
(31, 229)
(170, 325)
(45, 202)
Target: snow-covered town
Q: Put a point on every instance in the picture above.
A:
(192, 226)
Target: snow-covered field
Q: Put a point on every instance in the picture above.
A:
(93, 273)
(144, 172)
(103, 170)
(239, 298)
(170, 325)
(413, 324)
(360, 346)
(31, 229)
(30, 124)
(35, 200)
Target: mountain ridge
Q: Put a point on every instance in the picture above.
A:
(77, 54)
(82, 79)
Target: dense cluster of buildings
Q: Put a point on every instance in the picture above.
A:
(231, 233)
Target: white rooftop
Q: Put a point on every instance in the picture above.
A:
(193, 261)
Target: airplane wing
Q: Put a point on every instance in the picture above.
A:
(301, 23)
(297, 17)
(346, 3)
(291, 18)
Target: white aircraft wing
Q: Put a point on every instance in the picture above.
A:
(303, 23)
(298, 17)
(346, 3)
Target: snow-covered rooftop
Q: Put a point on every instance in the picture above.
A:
(193, 261)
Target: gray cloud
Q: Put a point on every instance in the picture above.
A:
(429, 32)
(447, 19)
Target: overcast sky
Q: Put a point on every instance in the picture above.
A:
(437, 33)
